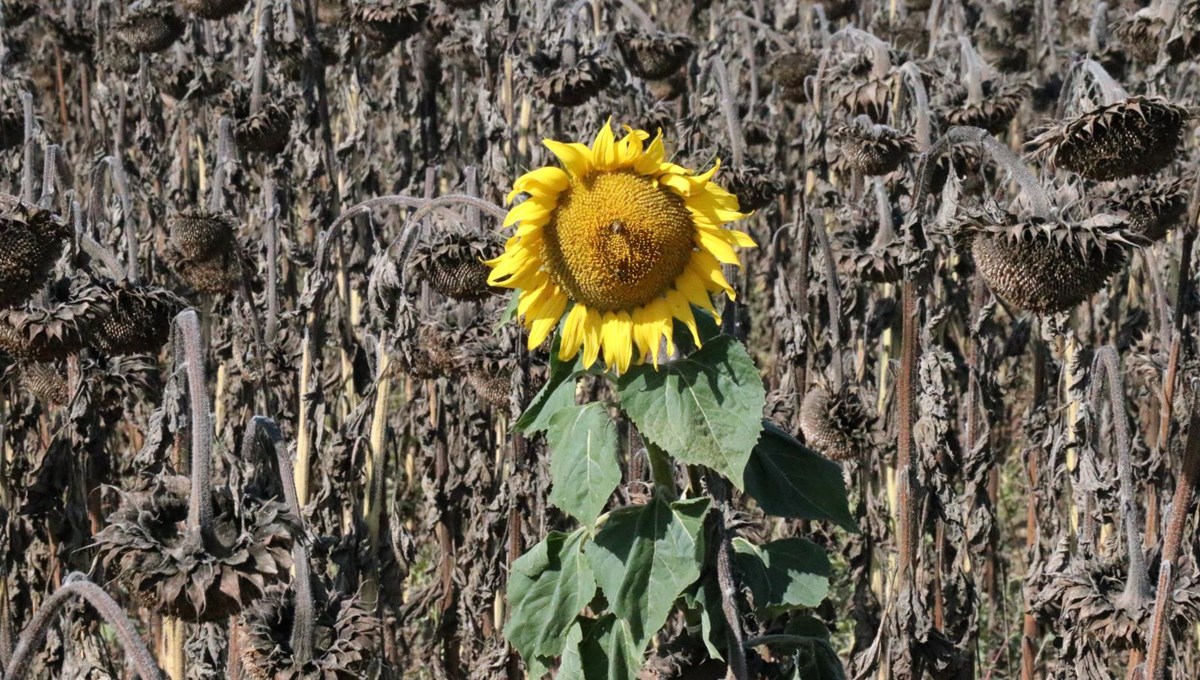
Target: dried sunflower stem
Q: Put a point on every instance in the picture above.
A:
(304, 629)
(1098, 29)
(31, 130)
(973, 68)
(1024, 177)
(1185, 489)
(120, 182)
(737, 143)
(912, 76)
(373, 472)
(886, 233)
(833, 295)
(1108, 365)
(200, 509)
(258, 72)
(639, 14)
(216, 192)
(1110, 89)
(77, 585)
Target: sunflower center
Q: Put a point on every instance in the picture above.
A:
(617, 240)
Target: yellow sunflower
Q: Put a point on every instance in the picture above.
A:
(629, 240)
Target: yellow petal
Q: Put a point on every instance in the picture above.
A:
(572, 333)
(648, 163)
(717, 246)
(575, 157)
(591, 337)
(706, 267)
(681, 310)
(529, 210)
(546, 181)
(542, 321)
(604, 153)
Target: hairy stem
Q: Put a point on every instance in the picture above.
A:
(49, 176)
(304, 628)
(883, 205)
(31, 130)
(833, 295)
(1110, 89)
(916, 83)
(200, 509)
(737, 144)
(216, 192)
(77, 585)
(1000, 153)
(1098, 29)
(1185, 490)
(1108, 365)
(973, 69)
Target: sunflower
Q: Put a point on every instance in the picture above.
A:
(629, 241)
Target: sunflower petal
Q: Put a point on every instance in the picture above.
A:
(576, 158)
(604, 152)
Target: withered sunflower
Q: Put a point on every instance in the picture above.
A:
(836, 423)
(626, 239)
(31, 241)
(654, 56)
(455, 267)
(346, 635)
(1151, 210)
(149, 547)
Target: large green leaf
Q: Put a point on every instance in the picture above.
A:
(789, 480)
(705, 617)
(558, 392)
(705, 409)
(600, 649)
(547, 588)
(783, 574)
(643, 558)
(583, 460)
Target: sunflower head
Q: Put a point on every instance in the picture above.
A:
(623, 242)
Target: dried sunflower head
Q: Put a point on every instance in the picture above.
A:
(669, 88)
(454, 267)
(789, 70)
(654, 56)
(121, 58)
(153, 28)
(46, 382)
(859, 86)
(1140, 35)
(387, 22)
(139, 318)
(861, 252)
(1136, 136)
(17, 12)
(147, 546)
(204, 250)
(346, 639)
(1002, 37)
(265, 131)
(1046, 266)
(837, 424)
(871, 149)
(48, 333)
(557, 82)
(31, 241)
(754, 185)
(213, 9)
(1002, 99)
(1151, 210)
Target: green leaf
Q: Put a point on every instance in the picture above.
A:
(571, 665)
(604, 649)
(703, 601)
(510, 310)
(816, 659)
(547, 588)
(790, 480)
(705, 409)
(558, 392)
(783, 574)
(643, 558)
(583, 460)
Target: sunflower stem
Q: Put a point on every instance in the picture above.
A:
(1108, 365)
(304, 628)
(1185, 489)
(662, 471)
(258, 67)
(720, 75)
(1000, 153)
(77, 585)
(271, 227)
(973, 67)
(49, 176)
(1098, 29)
(833, 295)
(216, 192)
(886, 233)
(31, 130)
(920, 101)
(200, 510)
(1110, 89)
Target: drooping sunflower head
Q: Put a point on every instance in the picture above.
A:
(627, 240)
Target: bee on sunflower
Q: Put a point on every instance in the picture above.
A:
(621, 241)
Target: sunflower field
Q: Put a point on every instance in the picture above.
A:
(599, 339)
